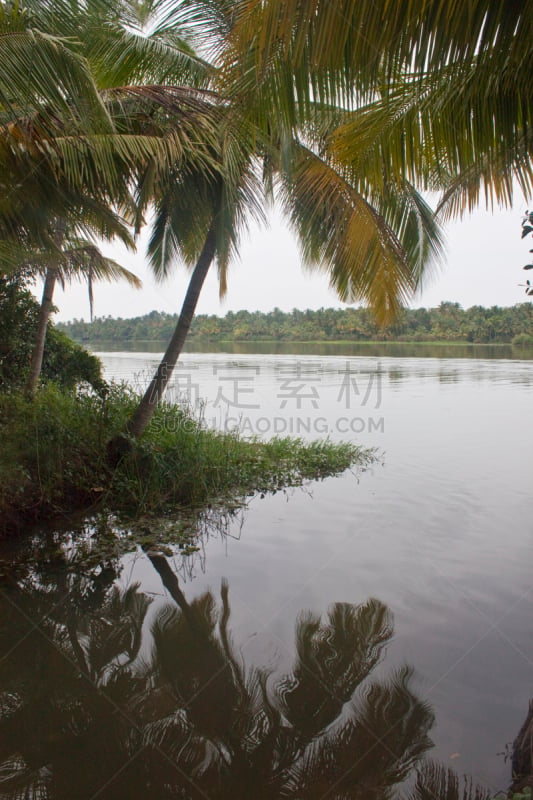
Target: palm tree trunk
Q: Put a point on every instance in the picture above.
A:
(171, 584)
(155, 391)
(36, 362)
(44, 315)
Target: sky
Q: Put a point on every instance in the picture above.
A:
(483, 266)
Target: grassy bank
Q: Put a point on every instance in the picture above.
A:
(53, 458)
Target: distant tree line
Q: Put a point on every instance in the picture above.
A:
(447, 322)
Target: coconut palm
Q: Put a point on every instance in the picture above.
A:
(76, 176)
(236, 735)
(374, 242)
(71, 254)
(264, 128)
(124, 131)
(78, 258)
(375, 237)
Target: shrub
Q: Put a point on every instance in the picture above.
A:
(64, 362)
(522, 340)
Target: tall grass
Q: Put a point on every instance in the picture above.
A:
(53, 458)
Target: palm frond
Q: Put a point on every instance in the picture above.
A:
(434, 780)
(369, 244)
(333, 659)
(436, 127)
(41, 72)
(354, 42)
(374, 750)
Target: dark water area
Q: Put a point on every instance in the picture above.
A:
(319, 642)
(372, 349)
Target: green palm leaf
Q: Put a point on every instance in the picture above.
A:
(374, 248)
(41, 72)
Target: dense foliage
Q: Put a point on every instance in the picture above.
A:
(447, 322)
(64, 362)
(54, 458)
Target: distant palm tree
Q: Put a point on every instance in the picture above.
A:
(73, 257)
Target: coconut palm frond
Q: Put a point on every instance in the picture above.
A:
(76, 258)
(491, 179)
(86, 257)
(242, 201)
(434, 780)
(371, 251)
(37, 66)
(14, 257)
(91, 217)
(193, 201)
(433, 128)
(183, 213)
(205, 23)
(333, 659)
(113, 635)
(374, 750)
(356, 42)
(128, 58)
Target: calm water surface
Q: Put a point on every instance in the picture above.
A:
(439, 532)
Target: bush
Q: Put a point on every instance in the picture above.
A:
(522, 340)
(64, 362)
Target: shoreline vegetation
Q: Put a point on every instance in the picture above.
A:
(446, 324)
(54, 459)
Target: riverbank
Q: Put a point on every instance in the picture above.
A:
(54, 458)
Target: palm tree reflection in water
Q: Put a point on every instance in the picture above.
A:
(89, 710)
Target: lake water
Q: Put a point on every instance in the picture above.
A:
(439, 531)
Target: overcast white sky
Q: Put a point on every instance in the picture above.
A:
(485, 256)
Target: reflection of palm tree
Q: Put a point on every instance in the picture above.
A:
(435, 782)
(68, 672)
(92, 710)
(317, 726)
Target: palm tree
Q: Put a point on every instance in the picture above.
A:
(375, 241)
(279, 90)
(77, 258)
(374, 244)
(70, 253)
(323, 726)
(109, 134)
(77, 176)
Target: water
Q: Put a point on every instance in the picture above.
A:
(439, 532)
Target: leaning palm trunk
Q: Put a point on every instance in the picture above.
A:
(159, 382)
(171, 584)
(44, 315)
(50, 280)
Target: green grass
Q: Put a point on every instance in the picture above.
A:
(53, 459)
